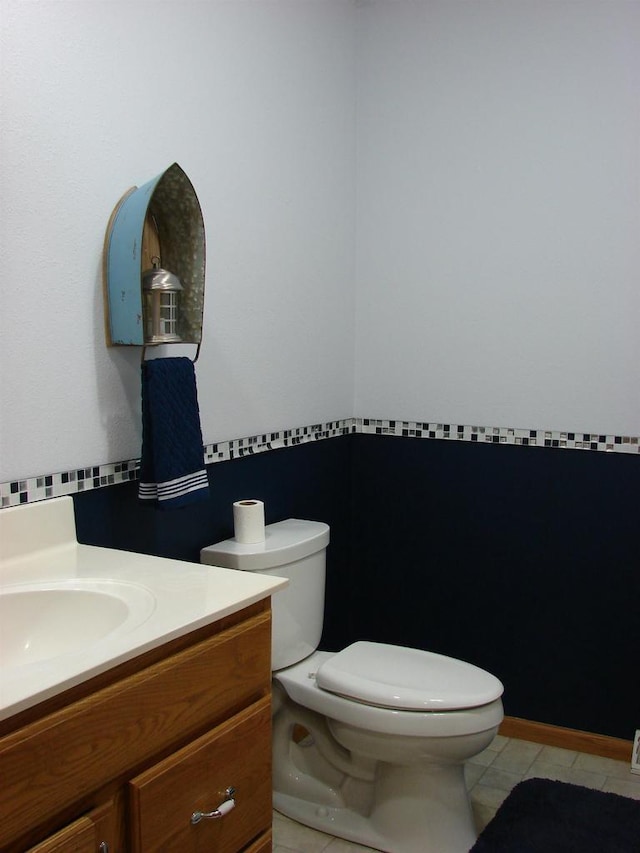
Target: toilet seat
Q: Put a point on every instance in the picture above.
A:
(406, 679)
(299, 681)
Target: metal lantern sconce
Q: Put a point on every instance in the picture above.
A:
(160, 289)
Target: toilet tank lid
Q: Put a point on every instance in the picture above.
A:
(284, 542)
(406, 679)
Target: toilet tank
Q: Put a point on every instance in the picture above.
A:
(293, 549)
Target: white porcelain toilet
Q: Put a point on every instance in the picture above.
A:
(369, 743)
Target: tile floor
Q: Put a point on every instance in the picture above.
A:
(490, 777)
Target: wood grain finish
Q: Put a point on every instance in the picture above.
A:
(235, 754)
(593, 744)
(108, 736)
(85, 834)
(78, 837)
(264, 844)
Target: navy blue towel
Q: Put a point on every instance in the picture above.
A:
(172, 471)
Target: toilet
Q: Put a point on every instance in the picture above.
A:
(369, 743)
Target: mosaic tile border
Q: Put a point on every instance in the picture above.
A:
(502, 435)
(83, 479)
(34, 489)
(239, 447)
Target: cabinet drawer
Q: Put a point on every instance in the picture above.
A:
(83, 835)
(235, 754)
(78, 837)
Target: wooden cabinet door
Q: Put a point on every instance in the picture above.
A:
(236, 754)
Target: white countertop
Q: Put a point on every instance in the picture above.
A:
(177, 597)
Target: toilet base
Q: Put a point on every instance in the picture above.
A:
(414, 811)
(419, 807)
(341, 822)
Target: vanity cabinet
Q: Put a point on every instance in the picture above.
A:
(122, 763)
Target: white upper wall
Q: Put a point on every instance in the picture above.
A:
(497, 178)
(255, 100)
(498, 250)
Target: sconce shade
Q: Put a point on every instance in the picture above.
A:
(158, 279)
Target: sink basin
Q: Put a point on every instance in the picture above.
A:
(43, 621)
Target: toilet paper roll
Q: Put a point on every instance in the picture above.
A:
(248, 521)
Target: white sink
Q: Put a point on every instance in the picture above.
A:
(43, 621)
(69, 611)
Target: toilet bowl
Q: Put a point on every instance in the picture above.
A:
(369, 743)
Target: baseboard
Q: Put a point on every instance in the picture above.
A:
(608, 747)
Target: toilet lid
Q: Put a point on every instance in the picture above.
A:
(406, 679)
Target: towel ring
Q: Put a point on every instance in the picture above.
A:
(198, 345)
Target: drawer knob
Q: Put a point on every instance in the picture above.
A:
(224, 808)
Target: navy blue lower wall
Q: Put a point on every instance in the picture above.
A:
(522, 560)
